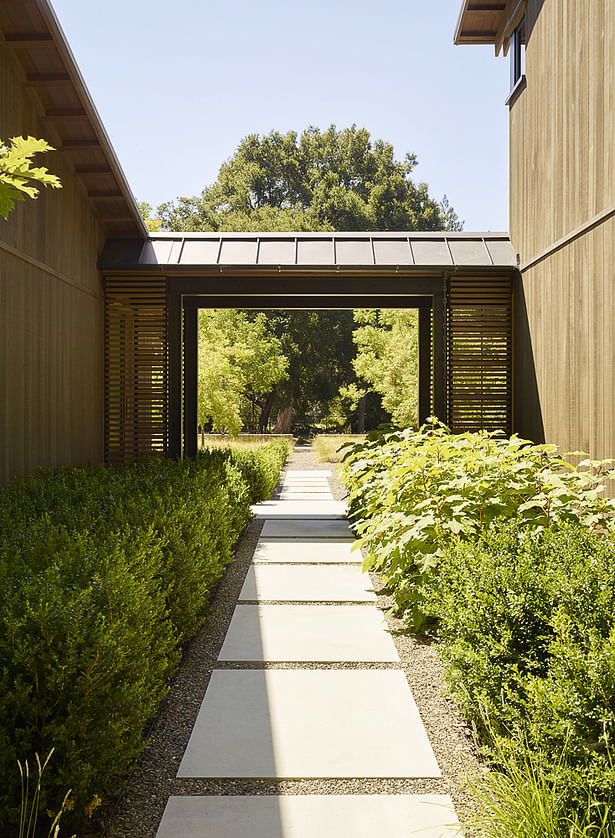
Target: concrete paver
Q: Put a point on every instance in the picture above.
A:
(308, 723)
(323, 510)
(305, 528)
(314, 551)
(306, 816)
(307, 583)
(296, 723)
(298, 633)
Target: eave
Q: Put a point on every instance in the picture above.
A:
(489, 22)
(33, 34)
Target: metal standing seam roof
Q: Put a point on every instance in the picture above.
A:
(339, 250)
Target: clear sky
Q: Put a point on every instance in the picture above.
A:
(179, 84)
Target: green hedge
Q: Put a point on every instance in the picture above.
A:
(104, 573)
(527, 622)
(506, 551)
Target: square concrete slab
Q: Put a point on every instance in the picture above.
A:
(309, 490)
(297, 472)
(304, 816)
(299, 509)
(296, 723)
(306, 552)
(306, 484)
(313, 496)
(306, 528)
(307, 583)
(295, 633)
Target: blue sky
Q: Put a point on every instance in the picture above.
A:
(178, 85)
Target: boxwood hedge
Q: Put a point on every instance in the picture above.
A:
(104, 573)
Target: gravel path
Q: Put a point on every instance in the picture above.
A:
(140, 804)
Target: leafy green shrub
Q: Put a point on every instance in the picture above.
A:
(261, 467)
(527, 621)
(410, 492)
(104, 573)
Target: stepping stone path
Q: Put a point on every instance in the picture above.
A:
(305, 602)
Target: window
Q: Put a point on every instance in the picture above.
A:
(517, 55)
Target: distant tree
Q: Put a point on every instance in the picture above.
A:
(387, 359)
(17, 174)
(450, 219)
(152, 224)
(331, 180)
(240, 362)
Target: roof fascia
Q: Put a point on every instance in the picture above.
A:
(61, 43)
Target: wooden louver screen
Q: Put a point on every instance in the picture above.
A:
(136, 368)
(479, 337)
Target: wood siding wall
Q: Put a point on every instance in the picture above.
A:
(562, 130)
(51, 311)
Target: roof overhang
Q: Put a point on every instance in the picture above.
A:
(32, 32)
(489, 22)
(391, 254)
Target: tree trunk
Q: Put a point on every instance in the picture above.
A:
(263, 419)
(283, 420)
(361, 417)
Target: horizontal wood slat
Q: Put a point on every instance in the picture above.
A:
(479, 350)
(136, 368)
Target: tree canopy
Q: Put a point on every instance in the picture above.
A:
(338, 180)
(332, 180)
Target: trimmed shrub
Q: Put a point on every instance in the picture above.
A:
(104, 573)
(527, 622)
(261, 466)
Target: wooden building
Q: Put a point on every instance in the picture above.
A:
(51, 291)
(562, 210)
(98, 319)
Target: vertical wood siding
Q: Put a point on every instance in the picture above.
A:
(563, 175)
(51, 312)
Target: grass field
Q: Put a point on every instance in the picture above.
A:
(327, 446)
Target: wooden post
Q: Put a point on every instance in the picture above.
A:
(439, 358)
(190, 380)
(174, 308)
(424, 364)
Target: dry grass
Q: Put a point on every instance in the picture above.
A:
(241, 442)
(326, 446)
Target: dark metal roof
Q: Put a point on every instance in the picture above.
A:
(32, 32)
(214, 251)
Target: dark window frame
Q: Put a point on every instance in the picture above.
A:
(517, 55)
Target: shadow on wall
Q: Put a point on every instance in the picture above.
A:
(528, 420)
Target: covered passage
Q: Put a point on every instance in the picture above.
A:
(461, 284)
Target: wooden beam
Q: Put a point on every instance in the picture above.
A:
(65, 113)
(111, 218)
(104, 195)
(425, 347)
(45, 79)
(103, 169)
(174, 326)
(515, 9)
(79, 145)
(485, 7)
(190, 380)
(23, 40)
(439, 358)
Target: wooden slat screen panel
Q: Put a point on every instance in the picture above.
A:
(479, 337)
(136, 368)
